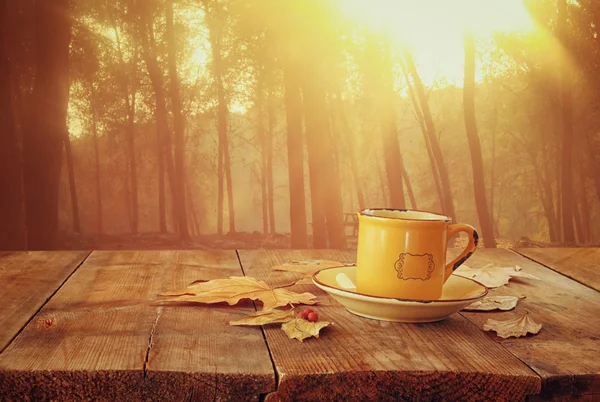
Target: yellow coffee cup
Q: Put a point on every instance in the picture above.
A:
(402, 253)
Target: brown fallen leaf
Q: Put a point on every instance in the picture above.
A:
(306, 268)
(263, 317)
(236, 288)
(492, 276)
(516, 327)
(490, 303)
(301, 329)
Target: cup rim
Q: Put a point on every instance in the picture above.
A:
(442, 218)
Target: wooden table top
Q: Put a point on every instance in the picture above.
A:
(81, 326)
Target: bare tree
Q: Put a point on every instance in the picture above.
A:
(72, 186)
(13, 231)
(474, 144)
(566, 176)
(325, 187)
(420, 119)
(129, 96)
(215, 24)
(179, 124)
(293, 112)
(436, 150)
(45, 127)
(98, 181)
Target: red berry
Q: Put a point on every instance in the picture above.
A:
(308, 310)
(302, 315)
(312, 317)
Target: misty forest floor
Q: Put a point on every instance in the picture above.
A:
(238, 240)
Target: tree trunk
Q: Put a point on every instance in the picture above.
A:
(567, 131)
(132, 164)
(179, 124)
(72, 187)
(223, 111)
(586, 216)
(448, 204)
(263, 155)
(314, 146)
(269, 144)
(409, 189)
(160, 113)
(293, 110)
(474, 143)
(352, 150)
(99, 215)
(419, 116)
(129, 98)
(191, 204)
(13, 231)
(493, 169)
(384, 195)
(220, 186)
(392, 159)
(222, 116)
(392, 156)
(548, 204)
(326, 193)
(162, 216)
(46, 125)
(126, 188)
(578, 224)
(559, 210)
(167, 145)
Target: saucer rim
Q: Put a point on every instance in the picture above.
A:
(383, 298)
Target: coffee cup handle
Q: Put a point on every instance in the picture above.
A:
(467, 252)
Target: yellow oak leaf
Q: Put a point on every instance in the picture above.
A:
(306, 268)
(301, 329)
(263, 317)
(236, 288)
(517, 327)
(490, 303)
(492, 276)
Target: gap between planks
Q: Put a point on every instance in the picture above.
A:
(550, 268)
(264, 335)
(503, 347)
(45, 302)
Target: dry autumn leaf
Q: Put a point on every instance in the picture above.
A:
(263, 317)
(517, 327)
(492, 276)
(301, 329)
(306, 268)
(490, 303)
(236, 288)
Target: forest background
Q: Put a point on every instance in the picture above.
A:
(137, 123)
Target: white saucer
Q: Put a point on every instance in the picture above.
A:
(458, 292)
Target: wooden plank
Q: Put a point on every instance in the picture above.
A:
(580, 264)
(566, 352)
(101, 336)
(361, 359)
(29, 278)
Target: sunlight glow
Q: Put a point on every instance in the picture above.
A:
(434, 28)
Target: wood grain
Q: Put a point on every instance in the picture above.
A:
(566, 351)
(360, 359)
(28, 280)
(581, 264)
(103, 337)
